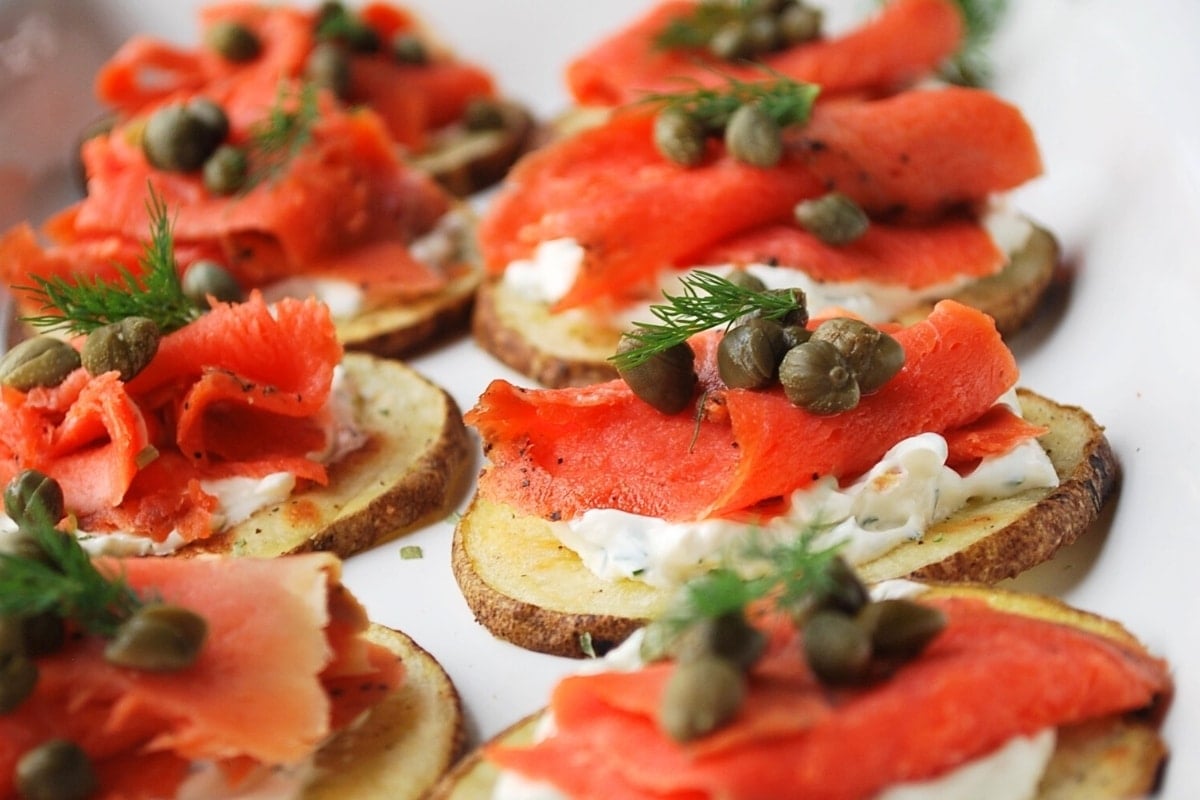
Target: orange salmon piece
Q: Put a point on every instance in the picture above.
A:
(263, 691)
(252, 406)
(636, 214)
(989, 676)
(86, 432)
(912, 256)
(559, 452)
(906, 40)
(922, 151)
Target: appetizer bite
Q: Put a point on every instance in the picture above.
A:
(693, 42)
(207, 677)
(913, 445)
(174, 426)
(443, 112)
(878, 206)
(783, 677)
(278, 188)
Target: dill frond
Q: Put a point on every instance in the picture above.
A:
(91, 302)
(707, 301)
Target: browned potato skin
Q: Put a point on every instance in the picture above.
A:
(526, 587)
(414, 468)
(567, 350)
(404, 744)
(1112, 758)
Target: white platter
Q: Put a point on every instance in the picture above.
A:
(1108, 88)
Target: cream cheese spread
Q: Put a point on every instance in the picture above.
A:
(896, 501)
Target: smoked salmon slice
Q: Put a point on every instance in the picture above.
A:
(413, 99)
(997, 675)
(907, 158)
(242, 391)
(554, 452)
(284, 644)
(905, 41)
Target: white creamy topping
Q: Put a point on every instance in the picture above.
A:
(551, 271)
(1012, 772)
(205, 781)
(908, 491)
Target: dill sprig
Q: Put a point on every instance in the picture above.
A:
(707, 301)
(697, 28)
(286, 130)
(92, 302)
(66, 584)
(971, 65)
(786, 101)
(792, 574)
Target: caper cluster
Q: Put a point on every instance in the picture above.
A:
(763, 27)
(850, 639)
(825, 371)
(706, 688)
(847, 639)
(156, 637)
(751, 136)
(342, 34)
(185, 137)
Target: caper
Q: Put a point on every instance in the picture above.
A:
(225, 170)
(900, 628)
(837, 650)
(666, 380)
(815, 377)
(753, 137)
(484, 114)
(845, 592)
(40, 361)
(748, 355)
(57, 769)
(730, 42)
(657, 643)
(41, 634)
(799, 22)
(700, 696)
(18, 677)
(158, 637)
(873, 356)
(181, 138)
(746, 279)
(328, 67)
(833, 218)
(794, 335)
(728, 636)
(206, 278)
(408, 48)
(125, 346)
(762, 34)
(233, 41)
(679, 137)
(33, 496)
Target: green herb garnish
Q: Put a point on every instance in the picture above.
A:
(411, 551)
(792, 573)
(784, 100)
(282, 134)
(971, 66)
(586, 646)
(707, 301)
(91, 303)
(66, 584)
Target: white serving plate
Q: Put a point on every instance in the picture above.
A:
(1107, 87)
